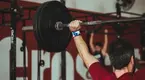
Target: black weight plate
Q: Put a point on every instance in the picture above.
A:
(47, 36)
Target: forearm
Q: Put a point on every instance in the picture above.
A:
(81, 45)
(83, 51)
(105, 42)
(91, 44)
(104, 50)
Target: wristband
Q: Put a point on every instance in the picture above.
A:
(76, 33)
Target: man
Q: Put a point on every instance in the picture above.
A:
(120, 52)
(99, 50)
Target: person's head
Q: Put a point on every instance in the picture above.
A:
(98, 46)
(121, 54)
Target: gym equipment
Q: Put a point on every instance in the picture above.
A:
(51, 26)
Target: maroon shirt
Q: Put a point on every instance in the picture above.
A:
(99, 73)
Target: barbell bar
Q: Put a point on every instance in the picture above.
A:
(49, 22)
(59, 25)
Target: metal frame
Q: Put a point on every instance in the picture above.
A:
(14, 12)
(13, 40)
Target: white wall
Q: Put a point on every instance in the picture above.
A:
(5, 55)
(103, 6)
(96, 5)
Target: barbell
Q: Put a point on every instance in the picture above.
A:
(50, 26)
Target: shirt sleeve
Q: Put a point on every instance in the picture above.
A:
(97, 71)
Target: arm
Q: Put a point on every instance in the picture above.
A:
(84, 52)
(95, 69)
(92, 47)
(104, 49)
(81, 45)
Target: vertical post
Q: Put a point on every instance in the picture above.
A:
(39, 58)
(63, 58)
(24, 55)
(13, 41)
(63, 65)
(118, 9)
(118, 15)
(62, 1)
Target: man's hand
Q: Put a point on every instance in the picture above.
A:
(75, 25)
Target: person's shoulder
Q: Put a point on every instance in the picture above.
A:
(110, 77)
(97, 71)
(94, 65)
(139, 75)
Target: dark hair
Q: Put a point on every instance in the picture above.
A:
(98, 44)
(120, 52)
